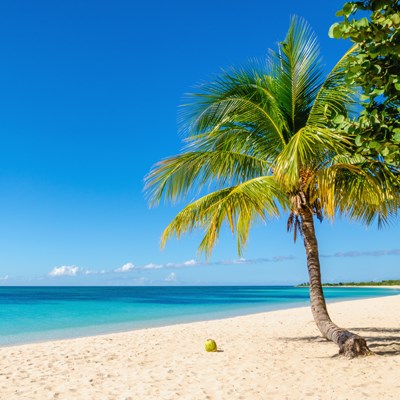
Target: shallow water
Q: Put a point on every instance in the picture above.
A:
(30, 314)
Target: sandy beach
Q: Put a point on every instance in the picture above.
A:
(275, 355)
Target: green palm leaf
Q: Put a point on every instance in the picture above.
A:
(360, 189)
(268, 134)
(176, 176)
(296, 68)
(335, 97)
(239, 205)
(240, 97)
(263, 135)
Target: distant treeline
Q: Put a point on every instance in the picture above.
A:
(370, 283)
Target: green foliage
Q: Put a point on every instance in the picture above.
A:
(263, 140)
(374, 67)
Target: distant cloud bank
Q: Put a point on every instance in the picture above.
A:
(376, 253)
(193, 263)
(73, 270)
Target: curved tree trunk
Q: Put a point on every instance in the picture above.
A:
(350, 344)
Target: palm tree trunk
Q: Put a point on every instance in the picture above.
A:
(350, 344)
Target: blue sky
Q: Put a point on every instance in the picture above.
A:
(88, 103)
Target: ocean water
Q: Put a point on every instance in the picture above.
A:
(30, 314)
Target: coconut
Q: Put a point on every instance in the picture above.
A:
(210, 345)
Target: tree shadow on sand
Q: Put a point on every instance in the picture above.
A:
(382, 341)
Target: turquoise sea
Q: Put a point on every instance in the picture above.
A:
(30, 314)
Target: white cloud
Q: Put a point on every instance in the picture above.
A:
(65, 270)
(3, 278)
(152, 266)
(126, 267)
(89, 272)
(171, 277)
(194, 263)
(249, 261)
(240, 261)
(190, 263)
(94, 272)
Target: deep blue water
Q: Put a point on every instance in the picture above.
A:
(29, 314)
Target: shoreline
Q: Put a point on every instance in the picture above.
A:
(262, 356)
(128, 326)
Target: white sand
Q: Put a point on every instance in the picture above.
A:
(275, 355)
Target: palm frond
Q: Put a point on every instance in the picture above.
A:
(239, 206)
(266, 132)
(296, 68)
(242, 138)
(335, 97)
(360, 189)
(238, 96)
(308, 149)
(175, 177)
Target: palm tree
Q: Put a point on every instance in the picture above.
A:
(265, 141)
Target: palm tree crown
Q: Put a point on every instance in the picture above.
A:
(264, 139)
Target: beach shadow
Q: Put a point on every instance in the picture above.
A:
(303, 339)
(377, 330)
(382, 341)
(389, 349)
